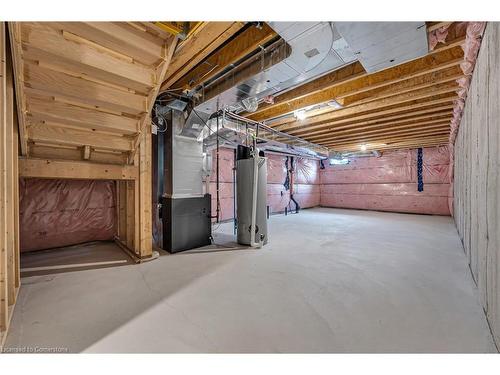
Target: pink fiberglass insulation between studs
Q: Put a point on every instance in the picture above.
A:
(55, 213)
(389, 182)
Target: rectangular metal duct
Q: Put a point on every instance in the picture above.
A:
(380, 45)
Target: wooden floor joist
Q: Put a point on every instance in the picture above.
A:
(329, 87)
(322, 122)
(379, 103)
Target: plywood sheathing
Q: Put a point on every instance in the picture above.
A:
(476, 182)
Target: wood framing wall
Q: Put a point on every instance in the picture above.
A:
(84, 95)
(9, 193)
(476, 173)
(85, 91)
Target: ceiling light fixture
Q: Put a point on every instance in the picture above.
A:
(334, 104)
(300, 115)
(342, 161)
(362, 147)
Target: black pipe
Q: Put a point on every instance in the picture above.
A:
(217, 177)
(234, 191)
(297, 207)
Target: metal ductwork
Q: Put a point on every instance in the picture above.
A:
(308, 49)
(236, 130)
(380, 45)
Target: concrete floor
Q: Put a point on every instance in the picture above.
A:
(330, 280)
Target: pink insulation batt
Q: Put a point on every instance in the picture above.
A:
(55, 213)
(306, 183)
(389, 182)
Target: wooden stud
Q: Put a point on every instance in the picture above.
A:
(11, 179)
(18, 64)
(160, 76)
(145, 189)
(42, 150)
(4, 293)
(130, 210)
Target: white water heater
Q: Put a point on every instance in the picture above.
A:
(251, 197)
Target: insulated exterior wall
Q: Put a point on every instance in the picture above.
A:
(226, 193)
(389, 182)
(476, 173)
(306, 183)
(278, 197)
(55, 213)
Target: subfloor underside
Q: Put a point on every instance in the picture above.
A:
(329, 280)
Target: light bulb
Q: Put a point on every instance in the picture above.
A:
(300, 115)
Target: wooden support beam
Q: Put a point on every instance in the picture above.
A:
(81, 170)
(442, 128)
(116, 37)
(18, 64)
(437, 25)
(406, 114)
(331, 86)
(381, 123)
(11, 175)
(243, 44)
(145, 196)
(384, 129)
(423, 82)
(121, 204)
(62, 84)
(58, 134)
(161, 71)
(374, 108)
(394, 143)
(397, 145)
(4, 289)
(206, 39)
(9, 198)
(43, 42)
(46, 108)
(418, 83)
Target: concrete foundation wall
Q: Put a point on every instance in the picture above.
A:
(476, 172)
